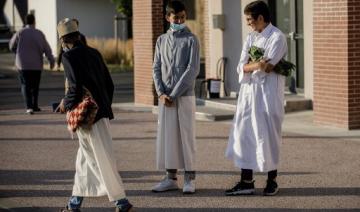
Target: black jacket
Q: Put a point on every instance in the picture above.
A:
(84, 67)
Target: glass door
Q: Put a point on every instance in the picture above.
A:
(288, 17)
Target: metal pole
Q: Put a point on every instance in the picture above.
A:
(116, 37)
(123, 32)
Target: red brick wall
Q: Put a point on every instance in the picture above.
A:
(147, 26)
(337, 63)
(354, 64)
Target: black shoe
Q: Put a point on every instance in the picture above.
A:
(37, 109)
(271, 188)
(128, 208)
(66, 209)
(241, 188)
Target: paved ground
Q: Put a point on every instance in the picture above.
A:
(319, 170)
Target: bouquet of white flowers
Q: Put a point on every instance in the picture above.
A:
(283, 67)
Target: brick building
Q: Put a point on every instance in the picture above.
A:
(323, 39)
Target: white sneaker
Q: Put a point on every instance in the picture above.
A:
(29, 111)
(189, 187)
(166, 185)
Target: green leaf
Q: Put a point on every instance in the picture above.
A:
(283, 67)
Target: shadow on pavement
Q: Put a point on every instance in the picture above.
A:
(49, 209)
(32, 122)
(54, 209)
(75, 139)
(319, 137)
(284, 192)
(235, 209)
(46, 177)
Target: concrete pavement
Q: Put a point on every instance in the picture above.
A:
(319, 169)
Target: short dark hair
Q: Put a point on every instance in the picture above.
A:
(174, 7)
(257, 8)
(71, 37)
(76, 21)
(30, 19)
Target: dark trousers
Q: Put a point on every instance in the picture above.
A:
(247, 174)
(30, 82)
(190, 174)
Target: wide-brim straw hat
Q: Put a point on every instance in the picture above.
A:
(67, 26)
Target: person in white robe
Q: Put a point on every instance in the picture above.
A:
(176, 66)
(96, 173)
(255, 136)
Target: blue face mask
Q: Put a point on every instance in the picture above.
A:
(177, 27)
(65, 49)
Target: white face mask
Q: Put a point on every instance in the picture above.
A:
(65, 49)
(177, 27)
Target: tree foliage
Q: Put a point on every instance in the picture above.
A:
(123, 6)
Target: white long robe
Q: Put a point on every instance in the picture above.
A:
(96, 172)
(255, 136)
(175, 143)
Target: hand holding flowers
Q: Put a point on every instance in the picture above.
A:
(283, 67)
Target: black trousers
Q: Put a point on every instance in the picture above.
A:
(247, 174)
(30, 82)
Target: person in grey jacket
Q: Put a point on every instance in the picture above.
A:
(176, 66)
(30, 44)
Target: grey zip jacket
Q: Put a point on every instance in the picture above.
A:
(176, 63)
